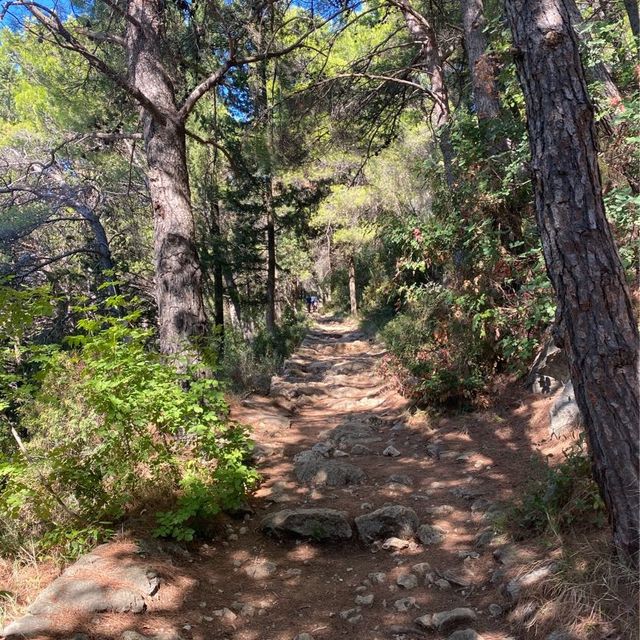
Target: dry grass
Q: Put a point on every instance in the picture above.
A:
(21, 579)
(592, 596)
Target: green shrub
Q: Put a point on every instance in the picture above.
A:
(434, 341)
(250, 364)
(564, 498)
(108, 424)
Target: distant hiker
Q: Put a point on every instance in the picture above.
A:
(312, 303)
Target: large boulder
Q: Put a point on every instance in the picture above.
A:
(549, 371)
(392, 521)
(320, 472)
(317, 524)
(564, 415)
(352, 433)
(96, 583)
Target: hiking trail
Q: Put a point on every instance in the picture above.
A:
(371, 522)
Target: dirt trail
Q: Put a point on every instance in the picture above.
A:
(245, 585)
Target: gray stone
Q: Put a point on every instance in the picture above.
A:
(464, 634)
(560, 634)
(366, 600)
(407, 581)
(404, 604)
(429, 534)
(304, 636)
(360, 450)
(353, 433)
(444, 620)
(495, 610)
(564, 415)
(391, 452)
(377, 577)
(133, 635)
(467, 493)
(395, 544)
(317, 524)
(421, 569)
(517, 586)
(443, 584)
(261, 569)
(330, 473)
(440, 510)
(392, 521)
(485, 537)
(400, 478)
(355, 619)
(325, 449)
(348, 613)
(549, 370)
(28, 626)
(225, 614)
(481, 504)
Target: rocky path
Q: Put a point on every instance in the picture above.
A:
(371, 522)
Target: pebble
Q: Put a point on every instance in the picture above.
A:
(421, 568)
(441, 583)
(407, 581)
(495, 610)
(464, 634)
(377, 577)
(391, 452)
(404, 604)
(395, 544)
(365, 600)
(261, 570)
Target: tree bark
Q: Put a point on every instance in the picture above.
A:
(481, 67)
(217, 258)
(181, 315)
(598, 71)
(263, 118)
(353, 297)
(631, 7)
(599, 326)
(430, 60)
(271, 256)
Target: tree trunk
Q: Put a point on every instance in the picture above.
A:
(353, 298)
(634, 18)
(234, 294)
(430, 60)
(599, 327)
(271, 256)
(217, 258)
(181, 315)
(598, 71)
(481, 67)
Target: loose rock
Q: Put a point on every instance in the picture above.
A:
(331, 473)
(407, 581)
(317, 524)
(393, 521)
(429, 534)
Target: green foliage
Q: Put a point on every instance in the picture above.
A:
(110, 423)
(565, 498)
(250, 364)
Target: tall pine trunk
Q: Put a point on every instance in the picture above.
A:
(181, 315)
(598, 324)
(481, 68)
(430, 60)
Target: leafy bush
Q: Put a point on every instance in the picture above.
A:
(108, 423)
(566, 497)
(251, 364)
